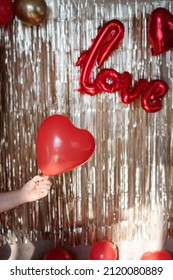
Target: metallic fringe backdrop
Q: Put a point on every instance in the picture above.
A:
(124, 192)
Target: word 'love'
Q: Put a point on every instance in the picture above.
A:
(109, 37)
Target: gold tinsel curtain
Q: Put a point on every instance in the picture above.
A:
(123, 193)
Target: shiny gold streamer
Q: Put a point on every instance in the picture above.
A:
(124, 192)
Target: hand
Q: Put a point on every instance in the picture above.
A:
(37, 188)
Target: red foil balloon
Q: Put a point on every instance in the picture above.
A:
(6, 11)
(152, 95)
(160, 31)
(61, 146)
(103, 250)
(108, 39)
(57, 254)
(129, 94)
(156, 255)
(108, 80)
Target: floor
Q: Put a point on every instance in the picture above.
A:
(36, 251)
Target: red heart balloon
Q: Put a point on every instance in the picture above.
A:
(156, 255)
(61, 146)
(160, 31)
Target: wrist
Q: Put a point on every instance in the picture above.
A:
(21, 196)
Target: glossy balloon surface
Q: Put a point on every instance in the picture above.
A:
(109, 38)
(103, 250)
(61, 146)
(31, 12)
(156, 255)
(160, 31)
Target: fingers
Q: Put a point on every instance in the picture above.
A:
(44, 186)
(43, 183)
(43, 189)
(39, 178)
(43, 193)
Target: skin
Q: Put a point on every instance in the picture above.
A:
(35, 189)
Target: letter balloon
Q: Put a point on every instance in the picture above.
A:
(108, 39)
(151, 98)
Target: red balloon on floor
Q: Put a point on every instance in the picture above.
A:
(61, 146)
(6, 11)
(57, 254)
(103, 250)
(156, 255)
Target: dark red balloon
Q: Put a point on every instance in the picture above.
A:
(6, 11)
(103, 250)
(156, 255)
(57, 254)
(160, 31)
(108, 39)
(61, 146)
